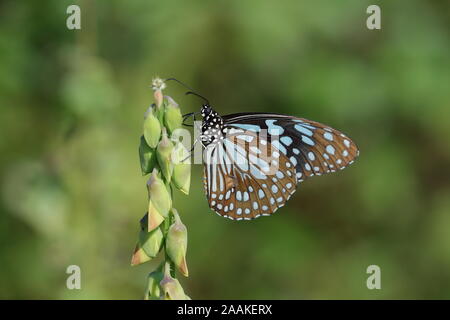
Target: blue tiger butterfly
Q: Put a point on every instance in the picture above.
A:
(254, 161)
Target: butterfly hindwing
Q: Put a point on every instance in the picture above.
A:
(246, 176)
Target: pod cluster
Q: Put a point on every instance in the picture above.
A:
(167, 161)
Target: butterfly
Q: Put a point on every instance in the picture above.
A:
(254, 161)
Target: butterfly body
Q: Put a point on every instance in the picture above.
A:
(212, 126)
(254, 161)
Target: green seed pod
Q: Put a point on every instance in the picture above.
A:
(152, 129)
(151, 241)
(147, 156)
(176, 244)
(139, 256)
(170, 287)
(181, 176)
(172, 116)
(154, 217)
(144, 222)
(153, 290)
(148, 246)
(164, 156)
(160, 201)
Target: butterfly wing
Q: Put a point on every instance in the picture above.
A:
(312, 147)
(254, 170)
(246, 177)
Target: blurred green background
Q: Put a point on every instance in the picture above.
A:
(71, 112)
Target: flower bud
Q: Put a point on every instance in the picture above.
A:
(164, 155)
(158, 85)
(160, 201)
(181, 176)
(176, 244)
(147, 156)
(172, 117)
(153, 290)
(170, 287)
(158, 96)
(152, 129)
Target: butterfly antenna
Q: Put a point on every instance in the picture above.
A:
(196, 94)
(191, 91)
(182, 83)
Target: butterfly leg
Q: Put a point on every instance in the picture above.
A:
(190, 151)
(187, 116)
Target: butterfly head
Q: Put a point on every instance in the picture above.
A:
(206, 110)
(210, 116)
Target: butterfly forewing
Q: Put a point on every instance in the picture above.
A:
(318, 149)
(312, 147)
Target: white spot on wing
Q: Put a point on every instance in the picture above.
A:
(293, 160)
(280, 175)
(250, 127)
(303, 130)
(307, 140)
(273, 128)
(286, 140)
(330, 149)
(245, 138)
(279, 146)
(261, 194)
(328, 136)
(347, 143)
